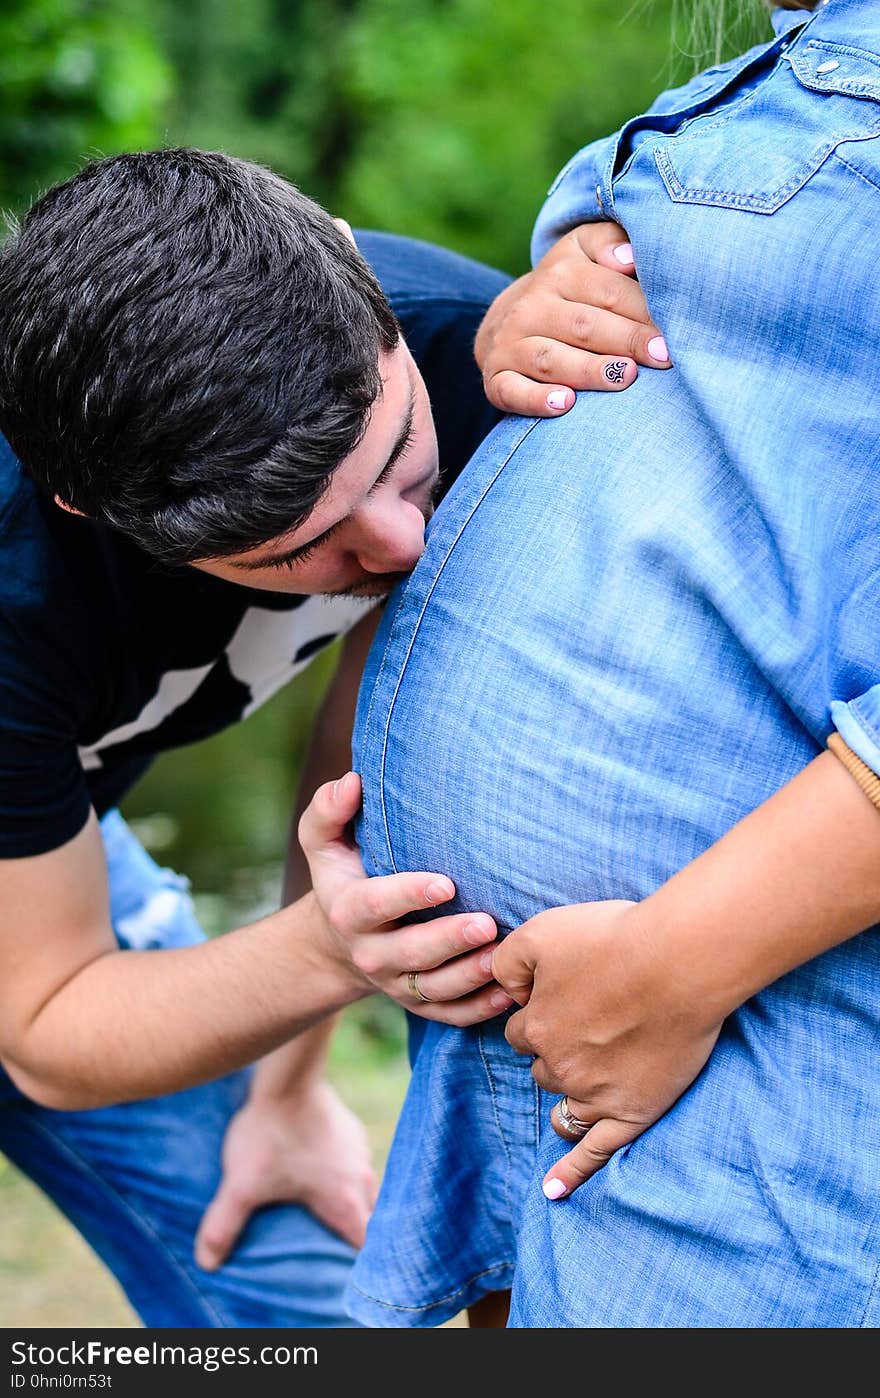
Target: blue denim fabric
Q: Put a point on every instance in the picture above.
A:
(627, 631)
(135, 1179)
(790, 129)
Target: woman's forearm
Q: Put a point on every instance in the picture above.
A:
(796, 877)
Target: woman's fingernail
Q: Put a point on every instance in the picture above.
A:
(623, 254)
(554, 1189)
(615, 371)
(437, 892)
(560, 398)
(657, 349)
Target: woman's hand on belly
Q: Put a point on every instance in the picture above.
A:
(578, 321)
(440, 969)
(608, 1023)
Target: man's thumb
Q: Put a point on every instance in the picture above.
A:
(220, 1228)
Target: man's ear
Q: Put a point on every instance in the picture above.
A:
(346, 229)
(71, 510)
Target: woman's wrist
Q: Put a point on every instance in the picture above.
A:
(796, 877)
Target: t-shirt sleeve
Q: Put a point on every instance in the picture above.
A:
(44, 796)
(440, 298)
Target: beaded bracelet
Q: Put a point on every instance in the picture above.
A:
(867, 779)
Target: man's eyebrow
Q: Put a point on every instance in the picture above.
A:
(290, 555)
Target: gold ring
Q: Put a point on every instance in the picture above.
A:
(573, 1124)
(415, 989)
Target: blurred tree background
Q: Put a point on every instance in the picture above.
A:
(443, 119)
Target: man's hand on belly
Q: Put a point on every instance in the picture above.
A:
(440, 969)
(609, 1022)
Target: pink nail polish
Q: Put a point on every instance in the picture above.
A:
(558, 399)
(657, 349)
(623, 254)
(554, 1189)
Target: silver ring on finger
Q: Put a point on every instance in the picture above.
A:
(415, 989)
(572, 1123)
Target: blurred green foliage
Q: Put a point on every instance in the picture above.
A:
(75, 79)
(445, 119)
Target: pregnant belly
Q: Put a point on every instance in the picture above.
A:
(553, 712)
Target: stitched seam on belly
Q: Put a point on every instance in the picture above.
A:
(863, 1323)
(60, 1144)
(442, 1300)
(497, 1115)
(458, 533)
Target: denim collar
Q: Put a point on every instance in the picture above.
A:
(855, 23)
(784, 20)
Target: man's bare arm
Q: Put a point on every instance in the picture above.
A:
(83, 1023)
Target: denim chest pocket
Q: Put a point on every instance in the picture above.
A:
(757, 153)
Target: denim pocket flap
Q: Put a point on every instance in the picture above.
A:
(836, 68)
(756, 153)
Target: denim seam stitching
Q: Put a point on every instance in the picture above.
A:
(872, 184)
(60, 1144)
(863, 1323)
(497, 1115)
(689, 194)
(732, 72)
(460, 529)
(431, 1305)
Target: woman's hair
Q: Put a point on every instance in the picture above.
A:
(706, 29)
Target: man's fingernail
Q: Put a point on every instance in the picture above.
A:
(623, 254)
(500, 1000)
(486, 961)
(560, 398)
(475, 934)
(438, 892)
(657, 349)
(338, 785)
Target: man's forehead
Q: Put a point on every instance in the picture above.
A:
(382, 441)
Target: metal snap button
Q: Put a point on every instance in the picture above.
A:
(828, 67)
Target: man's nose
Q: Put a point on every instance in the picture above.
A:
(390, 538)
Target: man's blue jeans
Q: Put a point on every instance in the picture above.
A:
(135, 1179)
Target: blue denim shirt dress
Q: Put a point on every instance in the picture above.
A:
(632, 625)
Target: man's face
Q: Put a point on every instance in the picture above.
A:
(368, 530)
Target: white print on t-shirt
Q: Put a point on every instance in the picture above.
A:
(266, 651)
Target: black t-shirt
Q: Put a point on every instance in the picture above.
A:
(107, 658)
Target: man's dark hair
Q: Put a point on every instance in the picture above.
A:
(188, 348)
